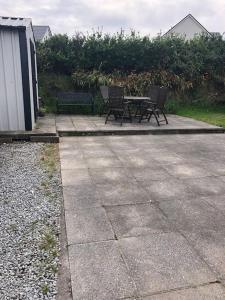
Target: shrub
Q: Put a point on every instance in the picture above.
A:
(194, 69)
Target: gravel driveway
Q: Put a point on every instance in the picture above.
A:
(30, 204)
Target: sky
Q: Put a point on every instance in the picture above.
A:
(149, 17)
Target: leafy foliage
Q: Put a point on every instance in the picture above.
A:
(135, 62)
(134, 83)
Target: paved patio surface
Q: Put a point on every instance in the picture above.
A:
(145, 216)
(50, 127)
(75, 124)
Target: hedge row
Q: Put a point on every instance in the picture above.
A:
(136, 60)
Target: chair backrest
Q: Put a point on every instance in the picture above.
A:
(104, 92)
(163, 93)
(116, 96)
(153, 93)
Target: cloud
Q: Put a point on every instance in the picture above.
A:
(145, 16)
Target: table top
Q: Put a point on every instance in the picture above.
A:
(136, 98)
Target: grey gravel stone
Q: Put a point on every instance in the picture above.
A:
(30, 204)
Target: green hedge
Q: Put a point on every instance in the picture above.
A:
(193, 69)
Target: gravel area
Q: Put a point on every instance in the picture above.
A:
(30, 206)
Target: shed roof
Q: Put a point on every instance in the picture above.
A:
(39, 31)
(14, 22)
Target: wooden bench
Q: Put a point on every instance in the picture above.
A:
(67, 100)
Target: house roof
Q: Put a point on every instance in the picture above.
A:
(193, 19)
(14, 22)
(40, 31)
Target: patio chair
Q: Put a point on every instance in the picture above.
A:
(152, 92)
(156, 106)
(105, 96)
(116, 104)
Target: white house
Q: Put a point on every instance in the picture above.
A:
(41, 33)
(18, 75)
(188, 28)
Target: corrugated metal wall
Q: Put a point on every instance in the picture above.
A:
(11, 91)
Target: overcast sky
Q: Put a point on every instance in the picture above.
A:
(145, 16)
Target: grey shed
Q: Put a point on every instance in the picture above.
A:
(18, 75)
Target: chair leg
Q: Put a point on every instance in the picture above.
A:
(164, 115)
(107, 117)
(157, 120)
(150, 115)
(121, 123)
(136, 113)
(129, 113)
(102, 110)
(141, 117)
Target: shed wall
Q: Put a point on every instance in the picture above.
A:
(11, 92)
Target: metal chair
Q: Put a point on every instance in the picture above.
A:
(152, 92)
(158, 108)
(116, 104)
(156, 105)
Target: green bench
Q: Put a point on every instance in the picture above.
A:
(67, 100)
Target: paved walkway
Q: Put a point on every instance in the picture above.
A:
(145, 216)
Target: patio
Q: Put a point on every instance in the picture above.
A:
(50, 127)
(81, 125)
(145, 216)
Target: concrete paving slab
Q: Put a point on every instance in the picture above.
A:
(88, 225)
(168, 190)
(99, 272)
(103, 162)
(216, 201)
(111, 175)
(93, 153)
(75, 198)
(76, 177)
(149, 173)
(216, 168)
(138, 219)
(136, 160)
(187, 171)
(71, 154)
(214, 291)
(169, 158)
(193, 215)
(206, 186)
(73, 163)
(122, 193)
(211, 247)
(160, 262)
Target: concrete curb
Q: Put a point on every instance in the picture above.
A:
(142, 132)
(21, 137)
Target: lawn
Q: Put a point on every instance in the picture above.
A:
(212, 114)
